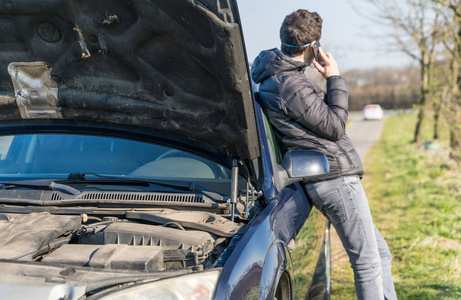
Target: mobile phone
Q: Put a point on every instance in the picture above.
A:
(315, 51)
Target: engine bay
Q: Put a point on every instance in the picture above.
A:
(146, 241)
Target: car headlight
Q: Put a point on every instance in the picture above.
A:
(198, 286)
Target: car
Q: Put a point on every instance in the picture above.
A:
(135, 162)
(372, 112)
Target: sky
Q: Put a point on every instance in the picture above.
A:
(354, 41)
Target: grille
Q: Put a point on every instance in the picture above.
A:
(56, 197)
(156, 197)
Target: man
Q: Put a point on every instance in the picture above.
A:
(307, 118)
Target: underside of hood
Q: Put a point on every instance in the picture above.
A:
(172, 66)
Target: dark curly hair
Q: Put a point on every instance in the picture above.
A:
(299, 28)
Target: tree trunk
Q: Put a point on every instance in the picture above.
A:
(436, 122)
(454, 107)
(455, 130)
(419, 124)
(424, 96)
(441, 100)
(455, 145)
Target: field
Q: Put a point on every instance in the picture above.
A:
(415, 198)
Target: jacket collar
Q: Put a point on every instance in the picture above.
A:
(272, 62)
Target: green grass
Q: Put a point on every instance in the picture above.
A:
(415, 198)
(306, 253)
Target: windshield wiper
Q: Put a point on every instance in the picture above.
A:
(81, 178)
(41, 185)
(108, 179)
(63, 188)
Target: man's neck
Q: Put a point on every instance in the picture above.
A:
(298, 58)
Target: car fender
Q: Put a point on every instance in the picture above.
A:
(277, 262)
(274, 265)
(242, 273)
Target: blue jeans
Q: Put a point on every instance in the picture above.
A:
(344, 202)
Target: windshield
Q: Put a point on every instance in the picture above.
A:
(33, 156)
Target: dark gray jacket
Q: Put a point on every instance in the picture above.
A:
(303, 114)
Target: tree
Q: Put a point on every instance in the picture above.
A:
(418, 32)
(452, 42)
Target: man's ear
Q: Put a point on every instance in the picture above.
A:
(308, 51)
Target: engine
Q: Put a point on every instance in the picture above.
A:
(113, 243)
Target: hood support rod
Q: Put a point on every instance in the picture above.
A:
(234, 191)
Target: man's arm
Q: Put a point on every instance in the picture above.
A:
(326, 119)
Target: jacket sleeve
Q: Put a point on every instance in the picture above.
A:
(326, 119)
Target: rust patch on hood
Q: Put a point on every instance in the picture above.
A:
(36, 93)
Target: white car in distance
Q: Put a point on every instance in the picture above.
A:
(372, 112)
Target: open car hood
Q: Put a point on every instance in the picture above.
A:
(176, 67)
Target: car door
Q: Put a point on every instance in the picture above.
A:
(296, 221)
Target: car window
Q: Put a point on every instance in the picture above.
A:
(61, 154)
(273, 140)
(5, 144)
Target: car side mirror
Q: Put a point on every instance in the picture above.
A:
(306, 165)
(302, 165)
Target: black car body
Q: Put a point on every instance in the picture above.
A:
(136, 164)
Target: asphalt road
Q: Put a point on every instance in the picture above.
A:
(363, 133)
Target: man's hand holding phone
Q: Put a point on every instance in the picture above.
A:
(324, 62)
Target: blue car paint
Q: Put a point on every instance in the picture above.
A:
(261, 256)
